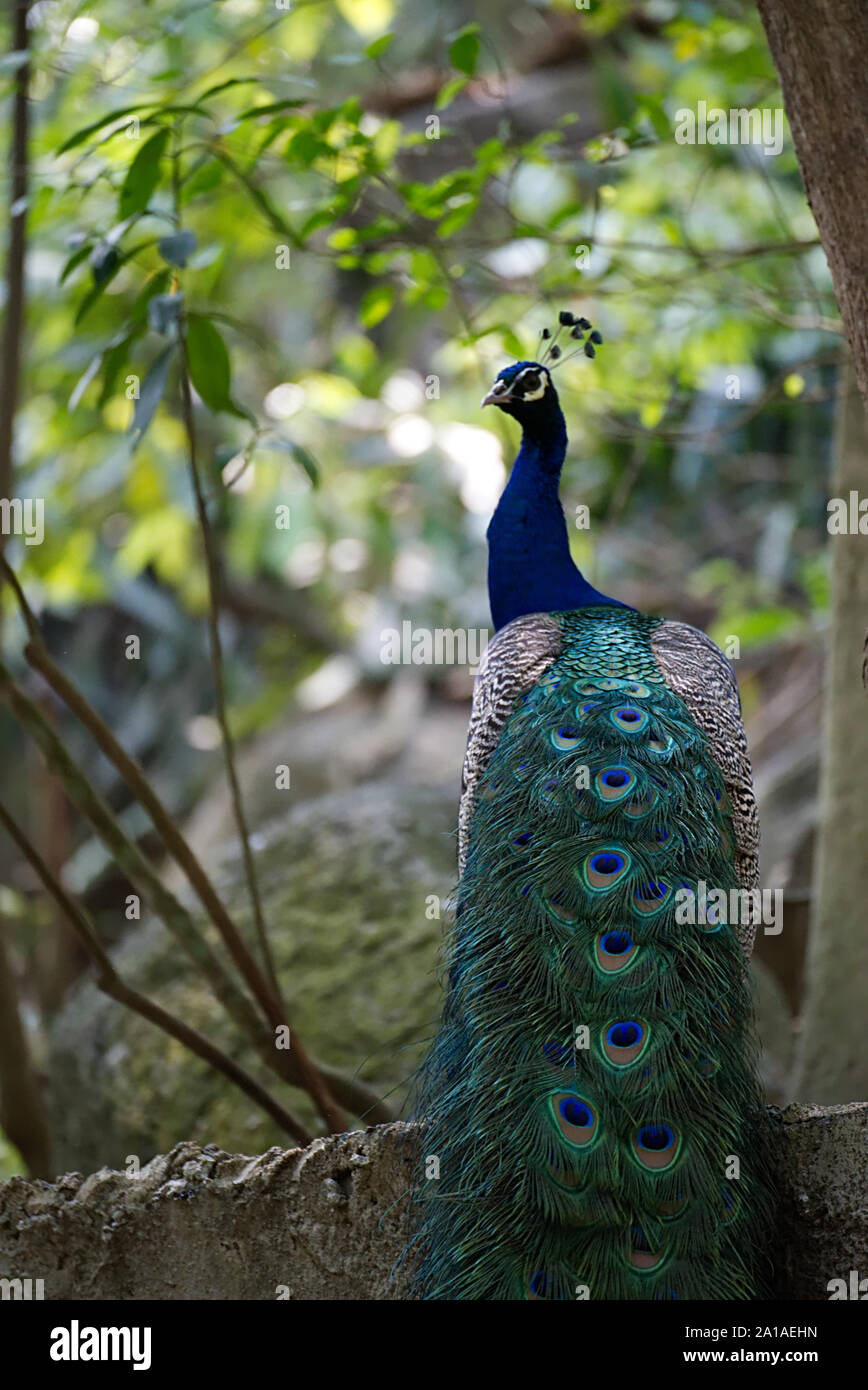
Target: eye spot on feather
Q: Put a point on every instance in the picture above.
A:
(628, 719)
(643, 1255)
(637, 689)
(614, 783)
(522, 839)
(623, 1043)
(651, 896)
(656, 1146)
(575, 1118)
(566, 737)
(586, 709)
(614, 950)
(605, 867)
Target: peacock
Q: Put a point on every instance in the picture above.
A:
(592, 1117)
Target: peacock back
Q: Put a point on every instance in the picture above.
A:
(590, 1098)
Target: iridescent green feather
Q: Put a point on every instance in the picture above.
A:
(591, 1091)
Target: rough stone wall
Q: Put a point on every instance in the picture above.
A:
(329, 1221)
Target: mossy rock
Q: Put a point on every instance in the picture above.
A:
(344, 880)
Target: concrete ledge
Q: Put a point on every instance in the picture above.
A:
(328, 1222)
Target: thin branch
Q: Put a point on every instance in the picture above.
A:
(312, 1079)
(213, 572)
(108, 980)
(218, 671)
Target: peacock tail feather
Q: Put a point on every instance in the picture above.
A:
(590, 1096)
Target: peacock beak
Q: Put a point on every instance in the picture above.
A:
(499, 393)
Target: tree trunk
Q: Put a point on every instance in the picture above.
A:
(832, 1061)
(13, 323)
(820, 49)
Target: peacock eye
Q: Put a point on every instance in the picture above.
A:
(530, 381)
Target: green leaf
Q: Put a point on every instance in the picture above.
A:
(229, 82)
(205, 174)
(512, 344)
(457, 217)
(208, 360)
(299, 453)
(86, 131)
(380, 45)
(307, 461)
(75, 259)
(143, 175)
(105, 258)
(464, 50)
(376, 304)
(654, 110)
(305, 146)
(151, 394)
(113, 359)
(269, 109)
(323, 217)
(107, 271)
(449, 92)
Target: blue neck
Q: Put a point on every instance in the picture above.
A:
(530, 569)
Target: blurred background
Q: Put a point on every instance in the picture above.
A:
(304, 238)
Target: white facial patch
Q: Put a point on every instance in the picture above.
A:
(530, 392)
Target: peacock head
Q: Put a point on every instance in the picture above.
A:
(525, 389)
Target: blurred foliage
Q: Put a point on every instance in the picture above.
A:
(350, 264)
